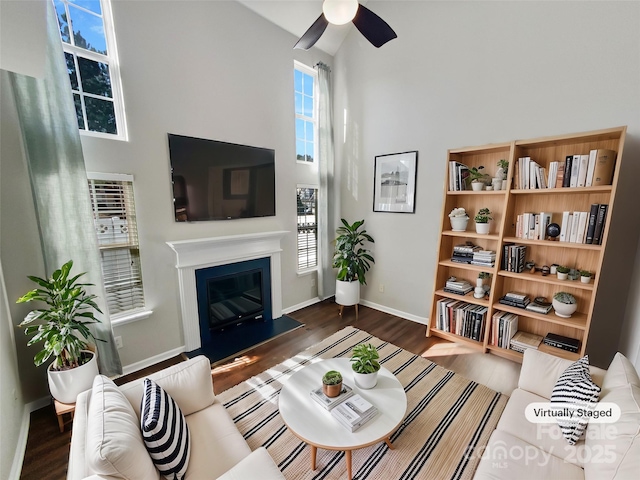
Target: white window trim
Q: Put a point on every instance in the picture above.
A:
(306, 271)
(130, 316)
(309, 71)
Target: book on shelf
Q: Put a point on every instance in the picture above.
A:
(566, 181)
(515, 303)
(582, 171)
(600, 222)
(523, 340)
(560, 175)
(591, 223)
(516, 296)
(565, 228)
(513, 257)
(538, 308)
(458, 174)
(575, 168)
(591, 168)
(462, 318)
(329, 403)
(560, 341)
(603, 169)
(504, 325)
(354, 412)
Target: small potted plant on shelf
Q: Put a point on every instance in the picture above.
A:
(500, 180)
(332, 383)
(364, 362)
(564, 304)
(63, 327)
(562, 272)
(459, 219)
(477, 178)
(585, 276)
(482, 220)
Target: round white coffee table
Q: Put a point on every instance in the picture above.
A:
(315, 426)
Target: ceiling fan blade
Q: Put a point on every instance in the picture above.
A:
(374, 29)
(312, 35)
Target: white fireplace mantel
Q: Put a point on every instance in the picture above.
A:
(195, 254)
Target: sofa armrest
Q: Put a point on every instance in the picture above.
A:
(258, 464)
(76, 469)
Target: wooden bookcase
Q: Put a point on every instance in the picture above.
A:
(505, 206)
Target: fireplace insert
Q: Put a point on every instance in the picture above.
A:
(235, 298)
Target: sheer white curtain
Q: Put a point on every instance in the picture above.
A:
(59, 180)
(326, 207)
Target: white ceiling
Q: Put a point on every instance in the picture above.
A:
(296, 16)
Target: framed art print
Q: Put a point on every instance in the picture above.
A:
(394, 187)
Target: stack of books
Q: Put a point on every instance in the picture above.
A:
(538, 307)
(328, 403)
(559, 341)
(354, 412)
(484, 258)
(513, 257)
(458, 174)
(461, 287)
(515, 299)
(504, 325)
(523, 340)
(464, 253)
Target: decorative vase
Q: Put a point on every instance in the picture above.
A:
(504, 184)
(562, 276)
(496, 183)
(65, 385)
(477, 186)
(479, 291)
(332, 391)
(482, 228)
(347, 293)
(365, 380)
(564, 310)
(459, 224)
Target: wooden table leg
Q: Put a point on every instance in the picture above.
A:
(356, 312)
(388, 442)
(313, 456)
(60, 423)
(341, 309)
(347, 456)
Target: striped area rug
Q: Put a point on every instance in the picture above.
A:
(448, 422)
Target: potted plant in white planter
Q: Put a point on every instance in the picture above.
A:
(63, 327)
(459, 219)
(564, 304)
(365, 366)
(352, 261)
(503, 169)
(585, 276)
(482, 220)
(477, 178)
(562, 272)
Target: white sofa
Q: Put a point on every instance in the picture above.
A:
(106, 442)
(520, 449)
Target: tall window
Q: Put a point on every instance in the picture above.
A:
(114, 217)
(307, 228)
(306, 113)
(88, 41)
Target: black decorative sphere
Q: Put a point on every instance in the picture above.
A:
(553, 230)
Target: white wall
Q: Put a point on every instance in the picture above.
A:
(472, 73)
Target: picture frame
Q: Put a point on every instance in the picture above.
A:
(394, 182)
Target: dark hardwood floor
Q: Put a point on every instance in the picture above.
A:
(48, 450)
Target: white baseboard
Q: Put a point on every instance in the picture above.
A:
(21, 446)
(392, 311)
(308, 303)
(148, 362)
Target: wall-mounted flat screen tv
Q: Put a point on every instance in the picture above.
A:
(215, 180)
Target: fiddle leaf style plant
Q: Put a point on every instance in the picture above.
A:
(351, 259)
(63, 323)
(483, 216)
(365, 358)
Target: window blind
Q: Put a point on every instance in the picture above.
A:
(307, 228)
(115, 224)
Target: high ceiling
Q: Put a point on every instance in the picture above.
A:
(296, 16)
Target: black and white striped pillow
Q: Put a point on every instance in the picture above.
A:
(575, 390)
(165, 431)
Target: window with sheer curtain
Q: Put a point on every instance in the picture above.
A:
(114, 216)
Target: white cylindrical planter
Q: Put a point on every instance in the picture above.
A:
(482, 228)
(365, 380)
(562, 276)
(347, 293)
(459, 224)
(477, 186)
(65, 385)
(564, 310)
(585, 279)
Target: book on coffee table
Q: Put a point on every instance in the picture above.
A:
(354, 412)
(329, 402)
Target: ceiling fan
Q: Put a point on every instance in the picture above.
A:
(339, 12)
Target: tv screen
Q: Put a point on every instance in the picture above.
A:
(215, 180)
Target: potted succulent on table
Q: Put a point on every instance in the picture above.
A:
(332, 383)
(562, 272)
(365, 366)
(459, 219)
(482, 220)
(564, 304)
(477, 179)
(352, 261)
(585, 276)
(63, 327)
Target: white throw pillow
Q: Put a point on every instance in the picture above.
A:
(165, 431)
(575, 387)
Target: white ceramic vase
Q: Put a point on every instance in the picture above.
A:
(347, 293)
(482, 228)
(564, 310)
(459, 224)
(365, 380)
(65, 385)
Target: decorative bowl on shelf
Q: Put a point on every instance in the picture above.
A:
(564, 304)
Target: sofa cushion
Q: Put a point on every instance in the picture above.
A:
(114, 441)
(620, 373)
(188, 383)
(257, 465)
(165, 431)
(615, 447)
(216, 443)
(574, 388)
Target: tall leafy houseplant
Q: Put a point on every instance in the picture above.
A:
(351, 259)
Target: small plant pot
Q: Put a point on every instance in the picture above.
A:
(477, 186)
(459, 224)
(564, 310)
(562, 276)
(365, 380)
(482, 228)
(332, 391)
(585, 279)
